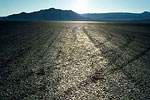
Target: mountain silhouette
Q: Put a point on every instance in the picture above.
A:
(118, 16)
(51, 14)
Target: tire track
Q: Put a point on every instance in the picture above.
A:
(41, 70)
(76, 61)
(115, 57)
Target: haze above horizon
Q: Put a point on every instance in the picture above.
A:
(9, 7)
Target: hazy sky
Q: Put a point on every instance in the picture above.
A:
(8, 7)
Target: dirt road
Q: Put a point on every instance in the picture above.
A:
(74, 61)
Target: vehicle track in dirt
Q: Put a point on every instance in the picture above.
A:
(74, 61)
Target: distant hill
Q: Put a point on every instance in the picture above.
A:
(51, 14)
(1, 18)
(144, 21)
(117, 16)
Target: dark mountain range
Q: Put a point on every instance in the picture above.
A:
(143, 20)
(1, 18)
(117, 16)
(51, 14)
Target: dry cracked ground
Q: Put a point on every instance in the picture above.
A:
(74, 61)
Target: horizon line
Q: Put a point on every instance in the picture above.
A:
(75, 12)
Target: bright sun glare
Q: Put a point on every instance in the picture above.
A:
(81, 6)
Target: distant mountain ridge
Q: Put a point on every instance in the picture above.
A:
(117, 16)
(53, 14)
(1, 18)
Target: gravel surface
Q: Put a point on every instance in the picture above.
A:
(74, 61)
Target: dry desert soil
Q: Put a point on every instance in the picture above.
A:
(74, 61)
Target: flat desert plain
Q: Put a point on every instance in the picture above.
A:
(74, 61)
